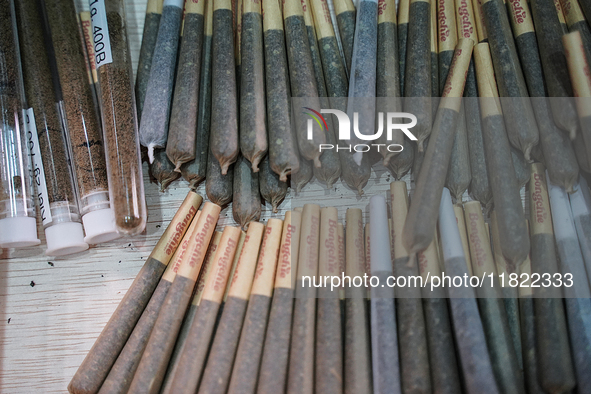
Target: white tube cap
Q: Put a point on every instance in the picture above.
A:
(18, 232)
(65, 238)
(99, 226)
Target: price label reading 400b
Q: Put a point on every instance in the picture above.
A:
(100, 33)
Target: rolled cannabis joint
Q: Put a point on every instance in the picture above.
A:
(509, 293)
(180, 146)
(387, 74)
(301, 356)
(384, 341)
(345, 11)
(546, 16)
(414, 360)
(578, 62)
(417, 88)
(152, 366)
(434, 30)
(521, 125)
(155, 119)
(558, 152)
(252, 336)
(503, 354)
(149, 37)
(253, 132)
(94, 369)
(357, 357)
(217, 372)
(505, 189)
(283, 151)
(578, 296)
(330, 170)
(303, 176)
(217, 185)
(122, 372)
(206, 269)
(528, 332)
(329, 341)
(195, 170)
(459, 172)
(468, 330)
(224, 142)
(193, 354)
(246, 201)
(442, 352)
(274, 361)
(161, 170)
(554, 362)
(479, 186)
(402, 19)
(271, 187)
(362, 81)
(418, 233)
(401, 164)
(303, 83)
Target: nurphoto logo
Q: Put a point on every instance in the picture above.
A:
(393, 122)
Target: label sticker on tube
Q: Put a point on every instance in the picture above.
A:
(100, 33)
(38, 172)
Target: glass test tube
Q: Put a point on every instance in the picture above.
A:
(18, 226)
(79, 113)
(119, 116)
(57, 194)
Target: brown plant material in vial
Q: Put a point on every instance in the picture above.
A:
(162, 171)
(283, 151)
(303, 83)
(224, 111)
(271, 187)
(195, 170)
(41, 97)
(83, 125)
(253, 132)
(180, 145)
(246, 202)
(503, 181)
(126, 186)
